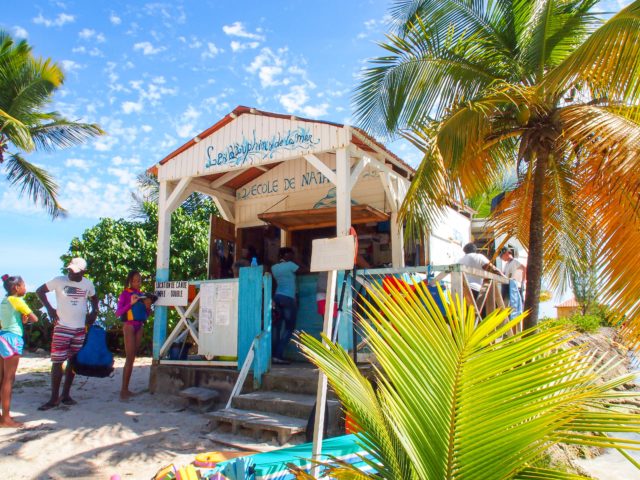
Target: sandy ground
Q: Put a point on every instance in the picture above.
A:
(101, 435)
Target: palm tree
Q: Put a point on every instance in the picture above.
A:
(453, 401)
(480, 86)
(26, 87)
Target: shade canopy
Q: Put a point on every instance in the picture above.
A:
(293, 220)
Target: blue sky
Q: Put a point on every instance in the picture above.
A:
(154, 74)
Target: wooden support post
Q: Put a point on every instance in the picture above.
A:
(343, 192)
(162, 264)
(321, 395)
(397, 241)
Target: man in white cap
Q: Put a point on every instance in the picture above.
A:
(70, 321)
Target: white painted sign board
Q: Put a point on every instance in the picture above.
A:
(172, 294)
(333, 254)
(218, 319)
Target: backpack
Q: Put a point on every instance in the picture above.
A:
(94, 358)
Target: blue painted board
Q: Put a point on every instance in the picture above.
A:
(249, 309)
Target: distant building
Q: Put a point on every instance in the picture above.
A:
(567, 308)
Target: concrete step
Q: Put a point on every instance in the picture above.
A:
(282, 403)
(293, 378)
(203, 398)
(258, 424)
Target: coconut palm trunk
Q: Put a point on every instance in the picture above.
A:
(536, 241)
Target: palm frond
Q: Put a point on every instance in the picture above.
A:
(62, 133)
(441, 379)
(552, 31)
(607, 142)
(36, 183)
(608, 61)
(422, 74)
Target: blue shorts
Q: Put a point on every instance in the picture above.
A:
(10, 344)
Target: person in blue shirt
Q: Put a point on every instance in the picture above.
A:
(284, 273)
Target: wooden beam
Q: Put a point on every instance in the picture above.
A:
(378, 152)
(357, 169)
(176, 194)
(385, 179)
(219, 182)
(223, 207)
(320, 165)
(202, 186)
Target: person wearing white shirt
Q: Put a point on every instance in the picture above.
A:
(474, 259)
(70, 320)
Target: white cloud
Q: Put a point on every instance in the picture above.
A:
(69, 66)
(315, 111)
(186, 124)
(105, 143)
(167, 142)
(20, 32)
(239, 46)
(237, 29)
(146, 128)
(373, 25)
(147, 48)
(131, 107)
(118, 161)
(77, 163)
(268, 76)
(115, 19)
(268, 65)
(211, 51)
(59, 21)
(94, 52)
(295, 101)
(89, 34)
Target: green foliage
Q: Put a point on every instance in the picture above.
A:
(112, 248)
(456, 400)
(581, 323)
(37, 335)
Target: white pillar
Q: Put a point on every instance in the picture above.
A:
(162, 264)
(397, 242)
(343, 192)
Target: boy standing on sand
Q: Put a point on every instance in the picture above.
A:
(70, 321)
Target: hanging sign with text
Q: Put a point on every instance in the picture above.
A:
(172, 294)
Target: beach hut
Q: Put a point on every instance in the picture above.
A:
(567, 308)
(279, 180)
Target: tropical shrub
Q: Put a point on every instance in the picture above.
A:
(113, 247)
(455, 399)
(581, 323)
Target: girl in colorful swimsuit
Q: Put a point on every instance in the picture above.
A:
(133, 310)
(13, 313)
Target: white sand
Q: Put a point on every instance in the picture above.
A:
(100, 436)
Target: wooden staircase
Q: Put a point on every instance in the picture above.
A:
(280, 409)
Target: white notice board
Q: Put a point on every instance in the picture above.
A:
(172, 294)
(333, 253)
(218, 319)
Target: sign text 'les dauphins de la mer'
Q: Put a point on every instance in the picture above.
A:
(253, 150)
